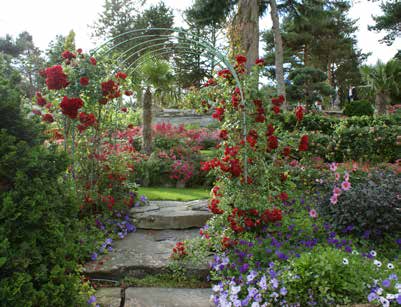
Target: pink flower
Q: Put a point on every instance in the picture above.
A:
(346, 176)
(345, 185)
(313, 213)
(333, 166)
(337, 176)
(337, 191)
(334, 199)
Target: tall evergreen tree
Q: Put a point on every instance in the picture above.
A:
(389, 21)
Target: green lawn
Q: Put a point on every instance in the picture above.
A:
(179, 194)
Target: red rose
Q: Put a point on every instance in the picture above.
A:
(299, 113)
(128, 93)
(241, 59)
(286, 151)
(283, 196)
(223, 134)
(110, 89)
(92, 60)
(270, 130)
(260, 62)
(87, 119)
(276, 109)
(36, 112)
(224, 73)
(303, 144)
(121, 75)
(84, 81)
(40, 100)
(48, 118)
(218, 114)
(124, 109)
(272, 142)
(79, 50)
(278, 101)
(68, 55)
(56, 79)
(70, 106)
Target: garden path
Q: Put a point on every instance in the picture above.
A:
(146, 252)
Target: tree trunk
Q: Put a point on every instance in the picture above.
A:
(279, 53)
(244, 32)
(381, 102)
(147, 122)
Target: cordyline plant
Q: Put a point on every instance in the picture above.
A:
(253, 168)
(79, 105)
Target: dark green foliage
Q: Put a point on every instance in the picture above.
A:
(11, 116)
(390, 21)
(358, 108)
(38, 250)
(308, 84)
(372, 206)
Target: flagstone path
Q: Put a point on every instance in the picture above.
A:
(147, 252)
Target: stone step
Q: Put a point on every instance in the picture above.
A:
(142, 253)
(154, 297)
(171, 215)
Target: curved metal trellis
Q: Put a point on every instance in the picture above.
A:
(164, 40)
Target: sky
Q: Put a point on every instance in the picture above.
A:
(44, 19)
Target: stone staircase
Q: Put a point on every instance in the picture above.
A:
(147, 252)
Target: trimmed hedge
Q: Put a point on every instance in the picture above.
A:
(358, 108)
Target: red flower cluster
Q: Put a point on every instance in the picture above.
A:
(224, 73)
(56, 79)
(179, 250)
(260, 111)
(210, 82)
(48, 118)
(218, 113)
(252, 137)
(236, 98)
(84, 81)
(213, 206)
(86, 120)
(241, 59)
(109, 201)
(240, 220)
(272, 142)
(128, 93)
(68, 55)
(121, 75)
(229, 163)
(40, 100)
(110, 90)
(223, 134)
(92, 60)
(227, 242)
(260, 62)
(303, 144)
(286, 151)
(277, 102)
(70, 106)
(299, 113)
(283, 196)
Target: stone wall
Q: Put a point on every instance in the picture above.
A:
(179, 117)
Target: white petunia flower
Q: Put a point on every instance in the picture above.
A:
(354, 252)
(377, 263)
(345, 261)
(384, 302)
(373, 253)
(390, 266)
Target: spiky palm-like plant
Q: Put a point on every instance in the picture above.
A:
(383, 79)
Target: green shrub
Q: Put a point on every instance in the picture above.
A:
(358, 108)
(326, 277)
(38, 228)
(372, 206)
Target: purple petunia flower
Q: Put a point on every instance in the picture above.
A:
(283, 291)
(244, 268)
(130, 227)
(386, 283)
(372, 296)
(399, 299)
(94, 256)
(92, 300)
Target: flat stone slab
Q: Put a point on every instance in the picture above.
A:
(143, 252)
(167, 297)
(171, 215)
(108, 297)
